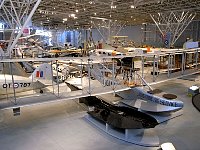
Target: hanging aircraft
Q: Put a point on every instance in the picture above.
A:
(106, 52)
(61, 52)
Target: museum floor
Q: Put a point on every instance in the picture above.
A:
(61, 126)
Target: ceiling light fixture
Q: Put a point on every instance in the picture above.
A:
(132, 6)
(113, 7)
(73, 15)
(76, 10)
(64, 19)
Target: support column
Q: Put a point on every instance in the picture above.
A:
(13, 15)
(57, 77)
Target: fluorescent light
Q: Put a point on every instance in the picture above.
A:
(113, 7)
(72, 15)
(64, 19)
(132, 6)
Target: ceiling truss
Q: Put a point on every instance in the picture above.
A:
(50, 13)
(17, 14)
(107, 27)
(172, 24)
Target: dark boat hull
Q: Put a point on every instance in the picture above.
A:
(122, 117)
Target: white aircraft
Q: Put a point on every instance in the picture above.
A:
(37, 80)
(96, 72)
(145, 101)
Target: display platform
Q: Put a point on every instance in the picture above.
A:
(163, 117)
(142, 137)
(196, 101)
(160, 112)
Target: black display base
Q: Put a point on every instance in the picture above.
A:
(196, 101)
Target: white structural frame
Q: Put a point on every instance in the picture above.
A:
(17, 14)
(173, 23)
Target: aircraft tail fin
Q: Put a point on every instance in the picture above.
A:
(43, 72)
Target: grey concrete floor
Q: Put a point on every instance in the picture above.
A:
(61, 126)
(182, 131)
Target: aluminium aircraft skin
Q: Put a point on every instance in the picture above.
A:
(21, 84)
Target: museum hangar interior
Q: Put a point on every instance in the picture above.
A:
(99, 74)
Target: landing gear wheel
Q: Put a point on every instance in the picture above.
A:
(41, 91)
